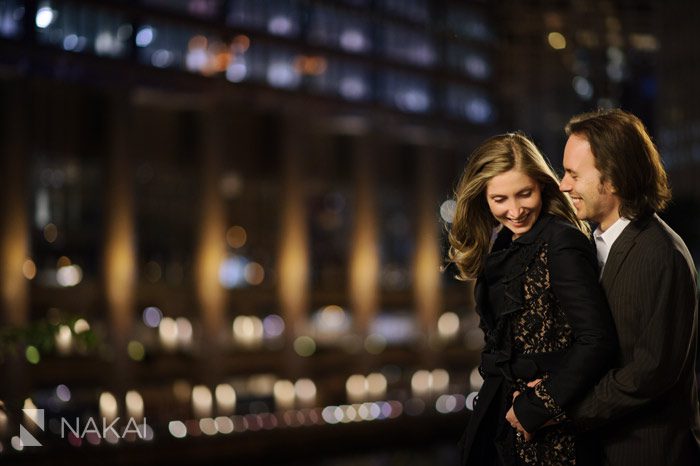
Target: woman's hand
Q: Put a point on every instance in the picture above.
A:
(513, 421)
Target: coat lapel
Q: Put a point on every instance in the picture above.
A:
(618, 252)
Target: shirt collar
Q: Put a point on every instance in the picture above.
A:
(613, 232)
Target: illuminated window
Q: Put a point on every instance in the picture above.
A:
(77, 28)
(202, 8)
(277, 17)
(248, 60)
(470, 25)
(407, 45)
(282, 69)
(342, 30)
(67, 193)
(350, 81)
(163, 46)
(469, 62)
(472, 104)
(11, 18)
(406, 92)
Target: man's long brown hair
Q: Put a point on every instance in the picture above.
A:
(626, 156)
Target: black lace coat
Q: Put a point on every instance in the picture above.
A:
(544, 316)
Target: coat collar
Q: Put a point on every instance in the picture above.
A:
(534, 233)
(620, 248)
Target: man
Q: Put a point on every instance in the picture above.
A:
(646, 409)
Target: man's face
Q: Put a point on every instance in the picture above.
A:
(594, 200)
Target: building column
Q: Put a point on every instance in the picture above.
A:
(364, 248)
(211, 243)
(14, 232)
(119, 269)
(426, 267)
(293, 259)
(14, 227)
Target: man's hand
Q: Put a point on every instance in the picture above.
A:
(513, 421)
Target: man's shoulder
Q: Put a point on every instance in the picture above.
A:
(655, 231)
(659, 242)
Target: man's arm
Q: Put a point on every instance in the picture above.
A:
(574, 282)
(666, 309)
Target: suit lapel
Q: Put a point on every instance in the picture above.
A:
(619, 250)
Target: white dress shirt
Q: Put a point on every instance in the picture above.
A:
(605, 239)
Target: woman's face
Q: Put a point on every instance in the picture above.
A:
(515, 200)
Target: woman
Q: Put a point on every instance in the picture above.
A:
(542, 310)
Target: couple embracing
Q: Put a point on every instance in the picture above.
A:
(590, 336)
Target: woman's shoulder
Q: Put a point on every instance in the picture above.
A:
(561, 232)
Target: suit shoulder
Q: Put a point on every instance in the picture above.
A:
(662, 244)
(657, 233)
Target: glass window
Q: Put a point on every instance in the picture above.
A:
(473, 104)
(469, 62)
(330, 213)
(357, 3)
(470, 25)
(407, 92)
(251, 192)
(351, 81)
(283, 18)
(283, 68)
(407, 45)
(248, 60)
(67, 193)
(202, 8)
(209, 55)
(414, 10)
(162, 45)
(166, 221)
(11, 18)
(396, 169)
(79, 28)
(278, 17)
(246, 13)
(346, 31)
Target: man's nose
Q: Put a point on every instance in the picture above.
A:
(565, 184)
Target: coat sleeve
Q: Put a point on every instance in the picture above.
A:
(574, 282)
(665, 287)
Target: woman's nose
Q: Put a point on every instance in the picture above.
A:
(514, 209)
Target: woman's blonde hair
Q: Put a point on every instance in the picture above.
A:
(473, 225)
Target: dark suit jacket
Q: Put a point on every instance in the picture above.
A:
(647, 408)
